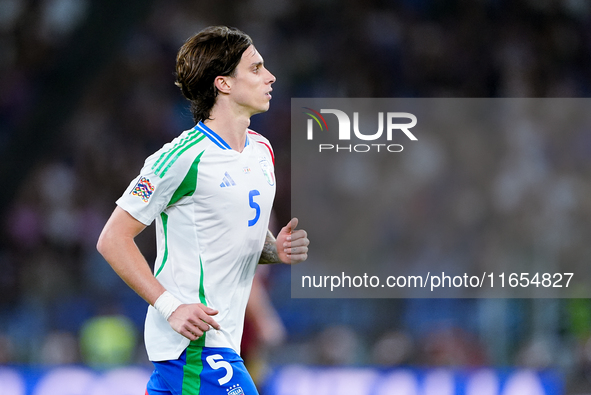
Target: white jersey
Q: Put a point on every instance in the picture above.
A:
(212, 206)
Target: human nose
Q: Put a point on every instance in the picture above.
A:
(271, 77)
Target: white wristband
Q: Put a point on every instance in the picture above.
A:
(166, 304)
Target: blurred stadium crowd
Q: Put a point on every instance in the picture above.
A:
(86, 93)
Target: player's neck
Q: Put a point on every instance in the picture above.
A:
(231, 128)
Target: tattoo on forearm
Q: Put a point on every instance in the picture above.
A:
(269, 254)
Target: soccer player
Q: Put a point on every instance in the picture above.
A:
(210, 191)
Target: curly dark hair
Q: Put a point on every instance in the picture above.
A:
(214, 51)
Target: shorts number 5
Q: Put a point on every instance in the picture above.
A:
(212, 360)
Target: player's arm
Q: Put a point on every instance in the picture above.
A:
(269, 253)
(116, 244)
(291, 245)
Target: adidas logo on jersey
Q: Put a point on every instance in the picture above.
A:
(227, 181)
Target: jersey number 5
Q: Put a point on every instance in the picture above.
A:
(212, 361)
(254, 205)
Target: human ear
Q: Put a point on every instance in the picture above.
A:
(222, 84)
